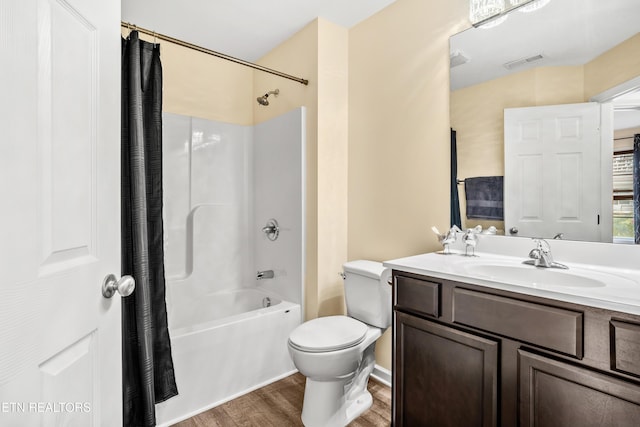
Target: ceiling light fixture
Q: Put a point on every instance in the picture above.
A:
(489, 13)
(486, 13)
(531, 6)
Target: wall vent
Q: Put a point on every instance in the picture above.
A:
(522, 61)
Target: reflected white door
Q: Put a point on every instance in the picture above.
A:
(60, 348)
(553, 172)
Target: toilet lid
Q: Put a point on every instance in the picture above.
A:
(329, 333)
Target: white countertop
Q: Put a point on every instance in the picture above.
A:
(621, 293)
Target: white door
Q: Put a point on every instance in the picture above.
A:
(60, 347)
(553, 171)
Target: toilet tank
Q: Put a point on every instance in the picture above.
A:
(367, 293)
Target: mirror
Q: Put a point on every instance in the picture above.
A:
(568, 51)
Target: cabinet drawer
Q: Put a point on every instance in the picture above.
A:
(625, 347)
(417, 295)
(553, 328)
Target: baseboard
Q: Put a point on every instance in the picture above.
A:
(382, 375)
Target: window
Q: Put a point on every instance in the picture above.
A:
(623, 196)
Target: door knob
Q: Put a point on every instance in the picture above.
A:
(124, 286)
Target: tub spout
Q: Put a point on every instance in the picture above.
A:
(265, 274)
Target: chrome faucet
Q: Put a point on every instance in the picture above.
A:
(265, 274)
(470, 239)
(541, 256)
(448, 238)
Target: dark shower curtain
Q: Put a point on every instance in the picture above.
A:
(455, 200)
(148, 375)
(636, 188)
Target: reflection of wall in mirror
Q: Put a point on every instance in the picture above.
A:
(477, 111)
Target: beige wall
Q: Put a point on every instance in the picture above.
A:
(618, 65)
(399, 131)
(298, 56)
(200, 85)
(318, 53)
(477, 111)
(399, 127)
(333, 153)
(205, 86)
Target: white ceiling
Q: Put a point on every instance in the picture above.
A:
(565, 32)
(245, 29)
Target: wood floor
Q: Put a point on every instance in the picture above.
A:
(279, 405)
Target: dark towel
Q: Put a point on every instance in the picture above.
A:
(484, 197)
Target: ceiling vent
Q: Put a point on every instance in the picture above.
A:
(457, 58)
(523, 61)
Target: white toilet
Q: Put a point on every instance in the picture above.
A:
(336, 353)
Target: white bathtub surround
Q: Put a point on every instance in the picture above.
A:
(207, 198)
(222, 183)
(279, 187)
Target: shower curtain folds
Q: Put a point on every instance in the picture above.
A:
(148, 374)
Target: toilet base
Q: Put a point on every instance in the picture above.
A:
(338, 402)
(330, 407)
(358, 406)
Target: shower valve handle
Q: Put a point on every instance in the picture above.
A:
(272, 229)
(125, 286)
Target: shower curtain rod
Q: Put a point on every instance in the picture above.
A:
(212, 52)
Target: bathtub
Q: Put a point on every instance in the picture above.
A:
(224, 345)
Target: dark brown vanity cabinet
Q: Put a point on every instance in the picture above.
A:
(465, 355)
(439, 368)
(553, 393)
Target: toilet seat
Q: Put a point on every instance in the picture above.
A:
(330, 333)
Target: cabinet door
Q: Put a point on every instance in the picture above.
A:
(443, 377)
(557, 394)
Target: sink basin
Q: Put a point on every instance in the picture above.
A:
(536, 277)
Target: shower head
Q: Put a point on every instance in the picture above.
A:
(262, 100)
